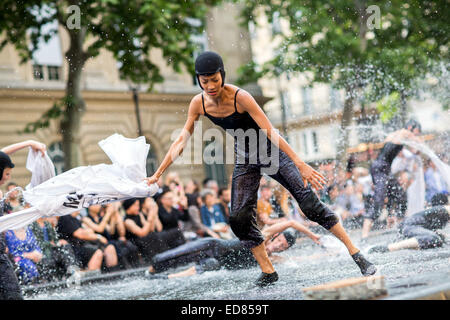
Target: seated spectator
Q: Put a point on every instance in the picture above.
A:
(58, 257)
(212, 215)
(195, 223)
(397, 195)
(174, 184)
(434, 182)
(212, 185)
(169, 215)
(117, 231)
(141, 230)
(351, 206)
(363, 178)
(264, 208)
(146, 205)
(23, 247)
(191, 187)
(280, 201)
(225, 201)
(14, 202)
(108, 222)
(335, 200)
(90, 248)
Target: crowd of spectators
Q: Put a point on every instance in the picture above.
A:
(349, 191)
(127, 234)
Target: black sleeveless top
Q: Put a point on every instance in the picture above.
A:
(235, 120)
(233, 124)
(130, 235)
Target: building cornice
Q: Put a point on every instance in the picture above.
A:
(301, 122)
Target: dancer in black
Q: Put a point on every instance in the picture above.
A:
(9, 284)
(212, 254)
(380, 170)
(421, 228)
(237, 112)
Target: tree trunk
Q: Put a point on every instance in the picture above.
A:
(346, 120)
(75, 106)
(403, 108)
(361, 6)
(350, 93)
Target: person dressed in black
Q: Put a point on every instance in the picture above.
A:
(259, 149)
(146, 232)
(169, 215)
(171, 218)
(90, 248)
(9, 284)
(421, 228)
(380, 170)
(108, 222)
(143, 231)
(212, 254)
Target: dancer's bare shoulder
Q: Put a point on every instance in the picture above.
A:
(195, 106)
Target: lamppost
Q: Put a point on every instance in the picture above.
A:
(283, 105)
(135, 90)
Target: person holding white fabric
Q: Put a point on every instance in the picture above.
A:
(434, 181)
(9, 285)
(83, 186)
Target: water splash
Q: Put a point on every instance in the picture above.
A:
(443, 168)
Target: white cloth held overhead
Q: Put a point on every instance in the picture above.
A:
(84, 186)
(416, 191)
(41, 167)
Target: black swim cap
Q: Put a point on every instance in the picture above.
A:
(208, 63)
(290, 238)
(5, 162)
(413, 124)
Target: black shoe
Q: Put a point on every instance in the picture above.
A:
(266, 278)
(379, 248)
(367, 268)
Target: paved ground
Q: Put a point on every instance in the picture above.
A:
(406, 272)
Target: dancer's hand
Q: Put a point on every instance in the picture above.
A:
(312, 176)
(151, 180)
(315, 238)
(38, 146)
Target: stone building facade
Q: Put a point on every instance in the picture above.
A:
(28, 90)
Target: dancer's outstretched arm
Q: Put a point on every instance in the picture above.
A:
(269, 232)
(178, 145)
(35, 145)
(398, 136)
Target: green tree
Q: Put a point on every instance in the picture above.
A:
(128, 29)
(370, 51)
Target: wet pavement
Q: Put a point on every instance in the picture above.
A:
(306, 264)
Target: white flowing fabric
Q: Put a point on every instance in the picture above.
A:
(418, 189)
(41, 167)
(84, 186)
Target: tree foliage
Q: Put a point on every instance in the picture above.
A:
(341, 43)
(128, 29)
(349, 46)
